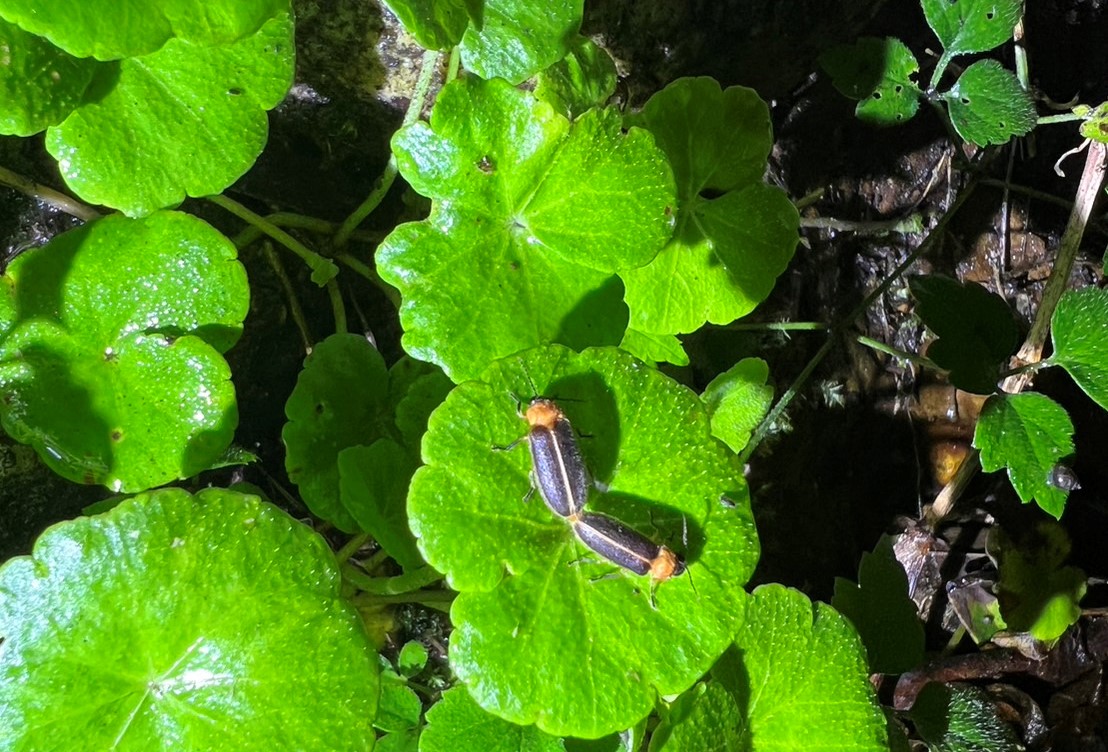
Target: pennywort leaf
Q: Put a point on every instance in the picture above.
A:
(193, 116)
(39, 83)
(524, 580)
(737, 400)
(1080, 346)
(531, 217)
(435, 24)
(182, 622)
(115, 29)
(734, 234)
(583, 79)
(110, 359)
(456, 723)
(515, 39)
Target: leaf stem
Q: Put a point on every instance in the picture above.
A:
(839, 328)
(351, 547)
(896, 352)
(295, 309)
(322, 268)
(779, 326)
(388, 176)
(48, 196)
(337, 307)
(408, 582)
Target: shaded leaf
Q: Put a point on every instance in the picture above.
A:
(879, 73)
(1080, 346)
(988, 105)
(515, 39)
(583, 79)
(961, 718)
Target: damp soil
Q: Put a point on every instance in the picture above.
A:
(870, 438)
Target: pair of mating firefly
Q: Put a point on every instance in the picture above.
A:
(560, 477)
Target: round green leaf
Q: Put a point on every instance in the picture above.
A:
(338, 402)
(412, 659)
(737, 400)
(538, 613)
(972, 25)
(1029, 434)
(879, 73)
(988, 105)
(457, 724)
(182, 623)
(807, 685)
(39, 84)
(114, 29)
(110, 364)
(530, 217)
(961, 718)
(734, 234)
(708, 724)
(193, 119)
(1080, 346)
(515, 39)
(435, 24)
(584, 78)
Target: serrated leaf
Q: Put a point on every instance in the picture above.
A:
(39, 83)
(530, 218)
(796, 680)
(456, 724)
(1095, 123)
(515, 39)
(654, 348)
(808, 681)
(879, 73)
(972, 25)
(110, 362)
(1028, 434)
(524, 580)
(115, 29)
(961, 718)
(584, 78)
(707, 724)
(734, 234)
(1077, 329)
(988, 106)
(1038, 594)
(399, 708)
(976, 330)
(182, 622)
(193, 118)
(435, 24)
(882, 611)
(737, 400)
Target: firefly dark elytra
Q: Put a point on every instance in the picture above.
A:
(559, 473)
(628, 548)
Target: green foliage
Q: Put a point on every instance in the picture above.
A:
(737, 400)
(1095, 121)
(530, 218)
(882, 612)
(399, 708)
(976, 330)
(182, 622)
(1080, 346)
(110, 361)
(654, 348)
(880, 74)
(435, 24)
(583, 79)
(987, 105)
(412, 659)
(518, 38)
(457, 724)
(1029, 434)
(797, 680)
(112, 30)
(1037, 593)
(353, 438)
(193, 118)
(528, 591)
(734, 233)
(39, 84)
(961, 718)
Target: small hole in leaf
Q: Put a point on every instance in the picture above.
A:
(990, 15)
(117, 435)
(965, 101)
(235, 91)
(898, 88)
(486, 166)
(514, 265)
(899, 116)
(876, 95)
(319, 408)
(710, 193)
